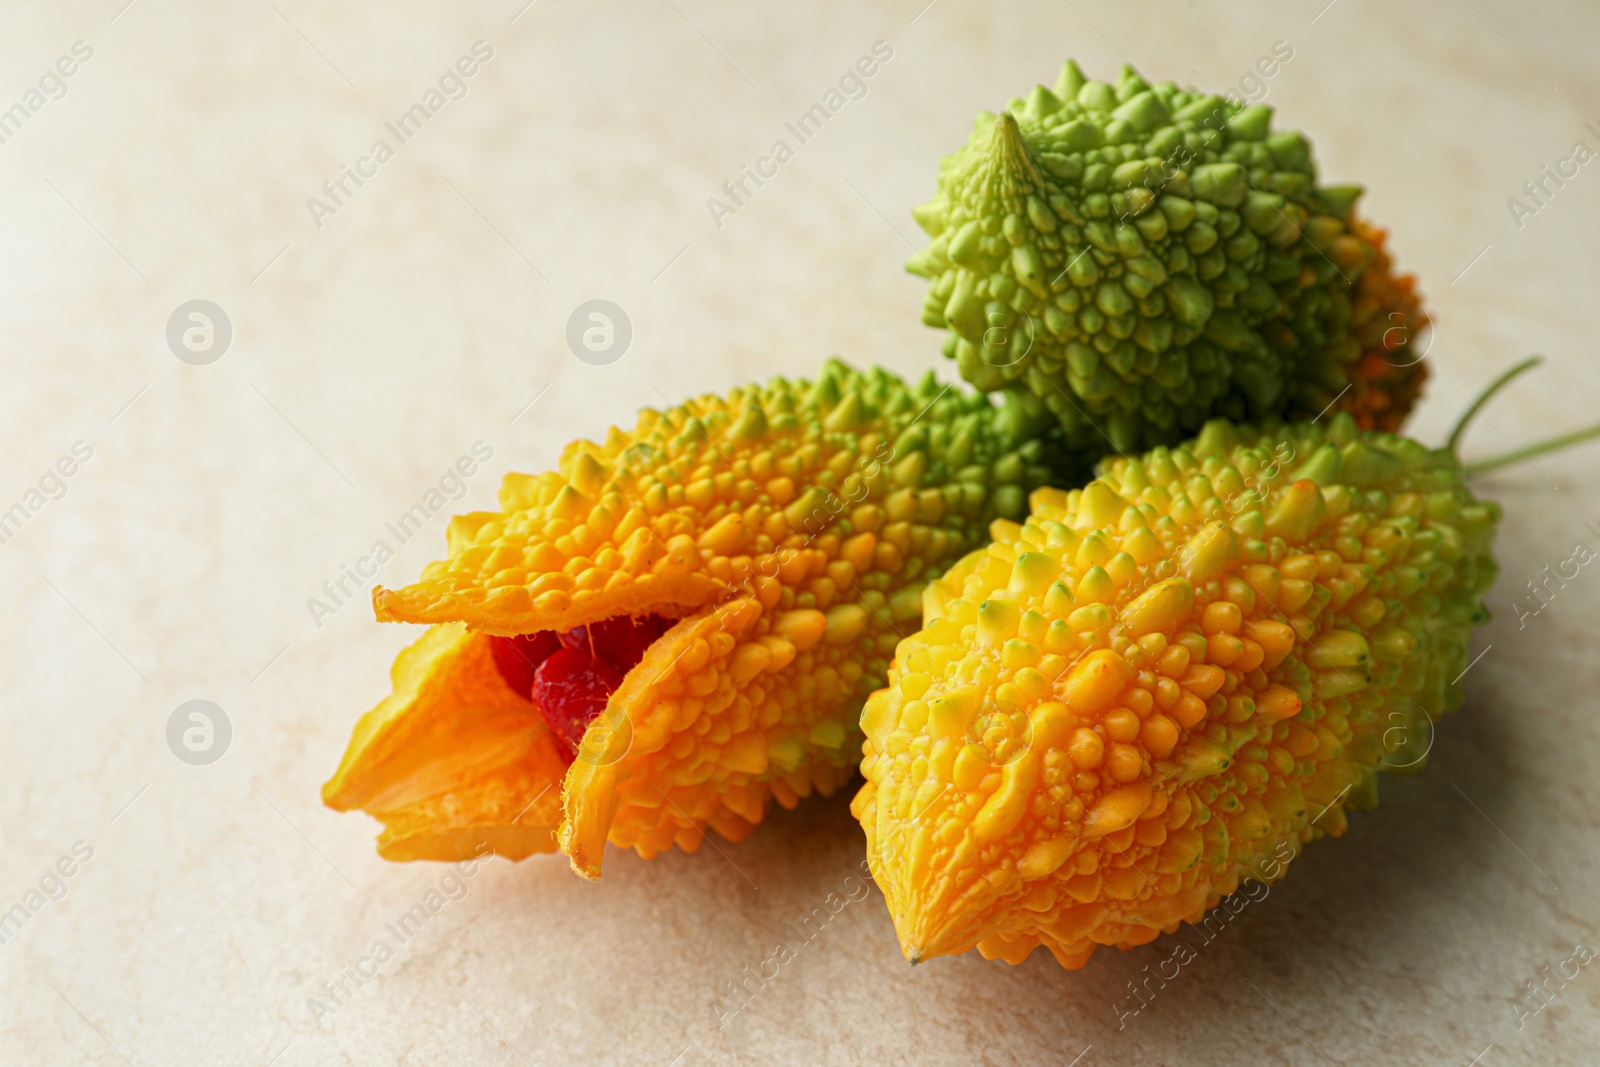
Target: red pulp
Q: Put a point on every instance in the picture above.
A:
(519, 657)
(570, 676)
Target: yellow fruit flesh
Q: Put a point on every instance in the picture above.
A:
(452, 758)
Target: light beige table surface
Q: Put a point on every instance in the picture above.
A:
(428, 313)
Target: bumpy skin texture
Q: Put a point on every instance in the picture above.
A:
(1165, 682)
(788, 528)
(1387, 316)
(1136, 259)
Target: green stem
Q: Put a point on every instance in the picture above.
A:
(1484, 397)
(1527, 453)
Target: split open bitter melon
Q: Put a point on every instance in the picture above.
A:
(680, 623)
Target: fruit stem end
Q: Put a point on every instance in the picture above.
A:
(1520, 455)
(1505, 378)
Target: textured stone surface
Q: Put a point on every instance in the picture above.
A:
(430, 309)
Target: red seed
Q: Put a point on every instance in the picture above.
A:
(570, 676)
(518, 657)
(570, 688)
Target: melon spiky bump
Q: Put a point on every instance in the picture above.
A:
(1165, 682)
(1137, 258)
(679, 624)
(1386, 318)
